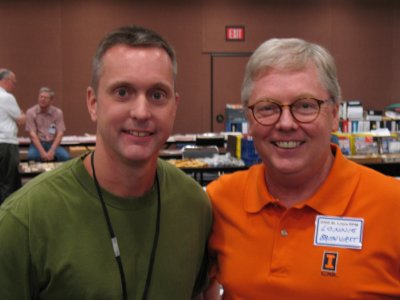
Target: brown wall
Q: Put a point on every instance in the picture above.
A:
(50, 43)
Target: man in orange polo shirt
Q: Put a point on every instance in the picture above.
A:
(306, 223)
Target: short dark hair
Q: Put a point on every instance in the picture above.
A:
(134, 36)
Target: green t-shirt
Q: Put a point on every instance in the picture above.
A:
(54, 241)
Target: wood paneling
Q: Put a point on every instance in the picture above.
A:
(51, 43)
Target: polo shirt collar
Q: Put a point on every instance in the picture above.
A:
(49, 110)
(333, 197)
(256, 195)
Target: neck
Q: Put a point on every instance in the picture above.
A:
(296, 188)
(4, 87)
(120, 179)
(44, 109)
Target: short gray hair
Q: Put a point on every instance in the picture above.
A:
(47, 90)
(291, 54)
(4, 73)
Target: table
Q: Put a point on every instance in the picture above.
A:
(207, 174)
(75, 144)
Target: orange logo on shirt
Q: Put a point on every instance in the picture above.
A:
(329, 261)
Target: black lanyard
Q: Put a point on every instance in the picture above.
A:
(114, 238)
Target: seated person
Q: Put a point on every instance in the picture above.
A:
(45, 124)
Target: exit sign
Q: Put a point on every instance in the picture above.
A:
(234, 33)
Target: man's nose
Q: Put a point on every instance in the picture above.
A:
(140, 108)
(286, 120)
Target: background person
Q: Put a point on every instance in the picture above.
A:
(11, 117)
(306, 223)
(117, 223)
(45, 124)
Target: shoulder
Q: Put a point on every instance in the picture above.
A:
(7, 96)
(32, 110)
(180, 185)
(370, 176)
(173, 173)
(238, 180)
(229, 191)
(352, 175)
(377, 191)
(40, 193)
(55, 110)
(381, 183)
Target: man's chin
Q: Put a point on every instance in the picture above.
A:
(140, 155)
(287, 167)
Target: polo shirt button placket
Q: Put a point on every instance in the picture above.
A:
(284, 233)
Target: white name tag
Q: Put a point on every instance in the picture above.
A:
(339, 232)
(52, 129)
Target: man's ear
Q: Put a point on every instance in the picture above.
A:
(336, 117)
(91, 103)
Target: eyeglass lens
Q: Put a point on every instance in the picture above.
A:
(267, 112)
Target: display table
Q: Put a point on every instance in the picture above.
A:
(201, 174)
(68, 140)
(388, 164)
(205, 175)
(76, 145)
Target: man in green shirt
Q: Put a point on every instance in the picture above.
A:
(117, 223)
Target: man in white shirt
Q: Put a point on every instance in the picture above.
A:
(10, 117)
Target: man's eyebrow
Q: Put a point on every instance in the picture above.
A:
(163, 85)
(119, 83)
(155, 85)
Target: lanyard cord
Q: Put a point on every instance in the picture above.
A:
(115, 242)
(155, 242)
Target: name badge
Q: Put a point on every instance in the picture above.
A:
(52, 129)
(338, 232)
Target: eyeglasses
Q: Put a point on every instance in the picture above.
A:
(267, 111)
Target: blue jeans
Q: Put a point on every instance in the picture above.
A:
(60, 154)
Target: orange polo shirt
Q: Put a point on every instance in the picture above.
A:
(265, 251)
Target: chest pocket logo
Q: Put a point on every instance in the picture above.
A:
(329, 262)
